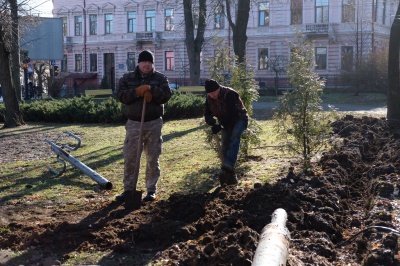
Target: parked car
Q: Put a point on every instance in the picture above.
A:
(174, 86)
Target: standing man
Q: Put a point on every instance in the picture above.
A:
(143, 84)
(75, 86)
(225, 104)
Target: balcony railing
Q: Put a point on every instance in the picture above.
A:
(318, 28)
(148, 36)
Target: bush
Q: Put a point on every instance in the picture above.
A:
(86, 109)
(184, 105)
(300, 119)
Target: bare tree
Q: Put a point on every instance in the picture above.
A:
(359, 69)
(239, 28)
(14, 48)
(278, 65)
(393, 110)
(40, 67)
(194, 44)
(9, 62)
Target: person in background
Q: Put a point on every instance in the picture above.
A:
(225, 104)
(30, 90)
(34, 92)
(75, 86)
(143, 84)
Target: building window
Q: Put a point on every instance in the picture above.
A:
(65, 26)
(64, 66)
(196, 15)
(78, 26)
(109, 23)
(169, 60)
(130, 61)
(296, 12)
(219, 17)
(93, 62)
(348, 11)
(321, 11)
(346, 61)
(78, 63)
(263, 58)
(93, 24)
(132, 21)
(169, 19)
(263, 14)
(150, 20)
(320, 57)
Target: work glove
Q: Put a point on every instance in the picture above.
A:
(211, 121)
(148, 96)
(216, 128)
(141, 90)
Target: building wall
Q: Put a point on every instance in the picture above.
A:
(276, 37)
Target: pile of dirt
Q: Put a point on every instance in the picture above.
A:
(343, 213)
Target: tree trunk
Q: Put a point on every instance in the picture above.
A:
(14, 49)
(194, 45)
(13, 116)
(239, 28)
(393, 110)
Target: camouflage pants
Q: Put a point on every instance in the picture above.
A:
(152, 146)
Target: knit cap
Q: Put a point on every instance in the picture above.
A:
(211, 85)
(146, 55)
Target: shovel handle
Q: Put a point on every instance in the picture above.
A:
(139, 147)
(218, 141)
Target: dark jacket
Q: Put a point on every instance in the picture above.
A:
(228, 108)
(159, 88)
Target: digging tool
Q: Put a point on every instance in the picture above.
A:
(218, 141)
(133, 199)
(224, 177)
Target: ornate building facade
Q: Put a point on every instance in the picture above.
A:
(103, 38)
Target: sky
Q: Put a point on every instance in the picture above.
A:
(41, 7)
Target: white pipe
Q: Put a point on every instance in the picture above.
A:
(273, 246)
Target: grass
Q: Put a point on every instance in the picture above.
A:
(188, 163)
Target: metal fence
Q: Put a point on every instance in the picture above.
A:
(331, 81)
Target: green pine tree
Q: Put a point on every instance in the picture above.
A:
(300, 119)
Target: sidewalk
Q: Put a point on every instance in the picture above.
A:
(339, 107)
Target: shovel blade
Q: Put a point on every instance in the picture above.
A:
(133, 199)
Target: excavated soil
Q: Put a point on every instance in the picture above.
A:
(345, 212)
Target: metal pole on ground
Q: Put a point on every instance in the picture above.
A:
(273, 246)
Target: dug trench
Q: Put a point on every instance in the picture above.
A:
(345, 212)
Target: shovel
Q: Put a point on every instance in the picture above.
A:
(224, 177)
(133, 198)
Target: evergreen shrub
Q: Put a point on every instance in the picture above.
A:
(86, 109)
(184, 105)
